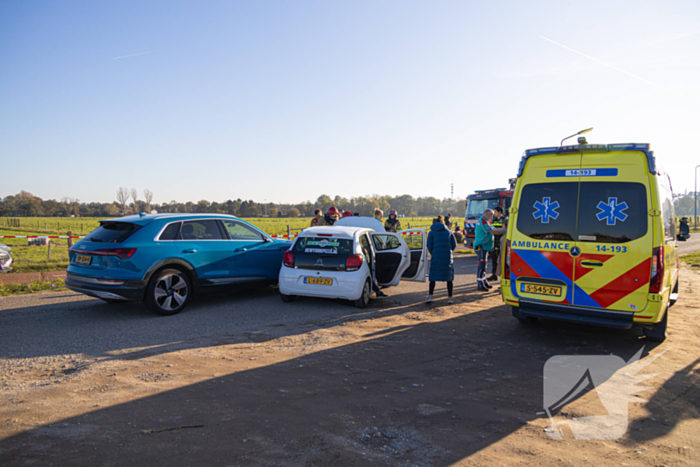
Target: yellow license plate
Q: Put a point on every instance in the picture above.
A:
(82, 259)
(318, 281)
(541, 289)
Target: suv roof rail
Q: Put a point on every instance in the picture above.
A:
(589, 148)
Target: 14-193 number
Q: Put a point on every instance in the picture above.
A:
(612, 248)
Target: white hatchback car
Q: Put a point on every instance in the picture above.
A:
(337, 262)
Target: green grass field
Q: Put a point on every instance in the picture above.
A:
(85, 225)
(35, 258)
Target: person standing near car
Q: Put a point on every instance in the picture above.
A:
(332, 215)
(483, 244)
(448, 222)
(318, 215)
(441, 243)
(497, 223)
(392, 224)
(378, 214)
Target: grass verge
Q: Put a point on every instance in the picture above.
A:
(36, 286)
(692, 259)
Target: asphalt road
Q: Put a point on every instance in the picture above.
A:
(689, 246)
(62, 323)
(49, 324)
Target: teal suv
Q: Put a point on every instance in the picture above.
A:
(163, 259)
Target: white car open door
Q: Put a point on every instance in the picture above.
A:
(392, 257)
(417, 241)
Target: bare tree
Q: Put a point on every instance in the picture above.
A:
(148, 198)
(122, 198)
(135, 197)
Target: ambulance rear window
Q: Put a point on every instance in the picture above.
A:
(612, 212)
(548, 211)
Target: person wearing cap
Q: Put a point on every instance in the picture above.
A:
(331, 216)
(392, 224)
(347, 214)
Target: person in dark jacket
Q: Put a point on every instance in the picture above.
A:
(441, 242)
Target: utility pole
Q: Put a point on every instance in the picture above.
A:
(695, 199)
(452, 190)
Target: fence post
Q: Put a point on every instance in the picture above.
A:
(289, 231)
(49, 250)
(70, 240)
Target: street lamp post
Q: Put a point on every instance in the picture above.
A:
(695, 199)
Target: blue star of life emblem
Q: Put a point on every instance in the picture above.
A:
(612, 211)
(546, 210)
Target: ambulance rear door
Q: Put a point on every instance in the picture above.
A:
(543, 229)
(614, 238)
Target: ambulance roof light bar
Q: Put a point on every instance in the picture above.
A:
(591, 148)
(576, 134)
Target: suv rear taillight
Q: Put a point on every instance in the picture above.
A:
(353, 263)
(657, 270)
(506, 261)
(121, 253)
(288, 259)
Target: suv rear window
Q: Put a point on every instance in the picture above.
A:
(612, 212)
(112, 232)
(548, 211)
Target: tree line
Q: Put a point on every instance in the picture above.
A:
(25, 204)
(129, 201)
(685, 204)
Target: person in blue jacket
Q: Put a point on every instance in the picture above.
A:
(441, 242)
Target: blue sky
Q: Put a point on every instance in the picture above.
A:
(283, 101)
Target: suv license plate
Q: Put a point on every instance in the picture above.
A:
(317, 281)
(82, 259)
(541, 289)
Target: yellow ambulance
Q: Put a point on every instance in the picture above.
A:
(591, 238)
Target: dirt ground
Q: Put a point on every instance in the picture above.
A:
(396, 384)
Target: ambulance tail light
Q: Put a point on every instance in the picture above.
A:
(657, 270)
(506, 262)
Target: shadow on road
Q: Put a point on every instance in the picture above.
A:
(429, 394)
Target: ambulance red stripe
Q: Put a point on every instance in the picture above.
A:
(581, 271)
(623, 285)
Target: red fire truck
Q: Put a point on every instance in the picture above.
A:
(478, 202)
